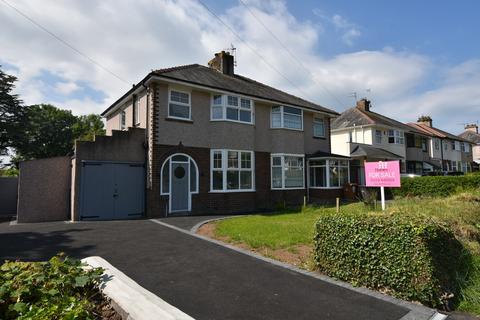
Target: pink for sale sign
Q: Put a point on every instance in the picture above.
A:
(382, 174)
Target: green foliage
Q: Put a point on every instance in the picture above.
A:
(9, 172)
(436, 186)
(410, 257)
(51, 132)
(58, 289)
(12, 114)
(88, 126)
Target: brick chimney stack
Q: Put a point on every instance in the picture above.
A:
(223, 62)
(472, 127)
(426, 120)
(363, 104)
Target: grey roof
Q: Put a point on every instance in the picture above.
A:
(208, 77)
(356, 117)
(470, 136)
(365, 150)
(322, 154)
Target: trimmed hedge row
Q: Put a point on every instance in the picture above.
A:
(436, 186)
(408, 257)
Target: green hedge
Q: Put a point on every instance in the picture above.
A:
(436, 186)
(408, 257)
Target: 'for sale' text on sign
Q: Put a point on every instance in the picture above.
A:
(382, 174)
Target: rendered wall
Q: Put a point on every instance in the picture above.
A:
(44, 190)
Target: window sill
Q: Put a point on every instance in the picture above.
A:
(283, 189)
(234, 121)
(326, 188)
(175, 119)
(320, 138)
(231, 191)
(291, 129)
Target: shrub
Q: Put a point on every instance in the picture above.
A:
(436, 186)
(57, 289)
(410, 257)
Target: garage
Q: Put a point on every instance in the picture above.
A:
(112, 190)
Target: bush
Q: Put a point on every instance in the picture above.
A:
(57, 289)
(439, 186)
(411, 258)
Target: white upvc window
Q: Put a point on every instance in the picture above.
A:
(136, 111)
(179, 105)
(232, 170)
(378, 136)
(445, 145)
(457, 145)
(287, 118)
(436, 143)
(396, 137)
(123, 120)
(318, 127)
(287, 171)
(328, 173)
(231, 108)
(454, 165)
(467, 147)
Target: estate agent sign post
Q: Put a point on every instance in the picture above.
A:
(382, 174)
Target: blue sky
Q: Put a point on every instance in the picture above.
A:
(414, 57)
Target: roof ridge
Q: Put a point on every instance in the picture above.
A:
(175, 68)
(365, 115)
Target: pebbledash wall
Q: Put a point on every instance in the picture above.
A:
(197, 138)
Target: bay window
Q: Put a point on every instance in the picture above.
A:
(287, 171)
(286, 117)
(232, 170)
(231, 108)
(179, 106)
(328, 173)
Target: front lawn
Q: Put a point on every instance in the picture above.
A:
(288, 236)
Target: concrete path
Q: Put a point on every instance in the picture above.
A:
(203, 279)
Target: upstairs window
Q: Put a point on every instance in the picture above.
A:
(436, 143)
(445, 146)
(462, 147)
(457, 146)
(467, 147)
(231, 108)
(378, 136)
(395, 137)
(287, 117)
(318, 127)
(179, 106)
(136, 111)
(123, 120)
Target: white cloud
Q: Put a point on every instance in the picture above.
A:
(131, 39)
(66, 88)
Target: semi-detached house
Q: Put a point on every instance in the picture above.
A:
(217, 142)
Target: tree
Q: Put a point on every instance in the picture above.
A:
(51, 132)
(88, 126)
(12, 114)
(48, 133)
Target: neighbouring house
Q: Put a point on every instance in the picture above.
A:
(452, 152)
(214, 142)
(471, 134)
(364, 136)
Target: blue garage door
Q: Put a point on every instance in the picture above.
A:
(111, 191)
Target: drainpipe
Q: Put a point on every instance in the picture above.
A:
(441, 153)
(146, 146)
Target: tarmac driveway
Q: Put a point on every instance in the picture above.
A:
(203, 279)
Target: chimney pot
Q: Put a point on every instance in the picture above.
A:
(223, 62)
(472, 127)
(426, 120)
(363, 104)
